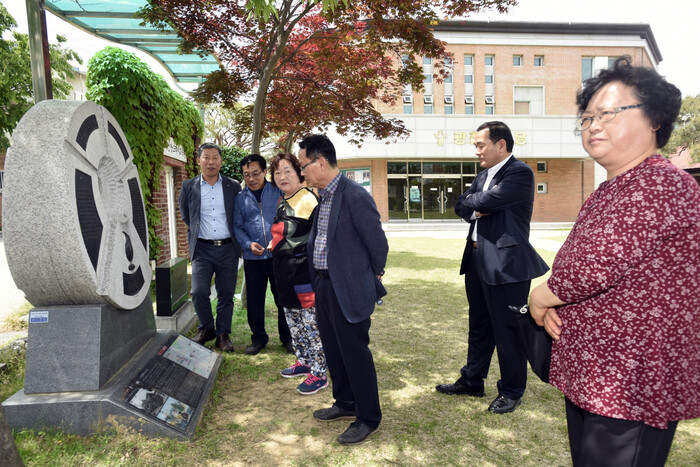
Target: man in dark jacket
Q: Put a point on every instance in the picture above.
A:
(254, 214)
(498, 264)
(206, 205)
(347, 251)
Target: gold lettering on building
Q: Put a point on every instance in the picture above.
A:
(440, 136)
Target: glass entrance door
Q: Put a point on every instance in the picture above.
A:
(439, 197)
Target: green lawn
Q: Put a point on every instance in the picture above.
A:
(255, 417)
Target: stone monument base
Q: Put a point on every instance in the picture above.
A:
(145, 396)
(80, 347)
(181, 321)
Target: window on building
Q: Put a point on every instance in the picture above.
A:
(488, 79)
(408, 108)
(541, 188)
(611, 61)
(489, 109)
(488, 60)
(449, 109)
(542, 166)
(469, 109)
(428, 109)
(528, 100)
(521, 108)
(468, 79)
(586, 68)
(428, 75)
(517, 60)
(539, 60)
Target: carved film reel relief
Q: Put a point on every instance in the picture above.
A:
(109, 207)
(79, 234)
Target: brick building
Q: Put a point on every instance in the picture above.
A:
(525, 74)
(172, 230)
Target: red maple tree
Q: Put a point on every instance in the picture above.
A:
(306, 67)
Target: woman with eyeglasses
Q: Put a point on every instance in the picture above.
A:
(623, 300)
(290, 236)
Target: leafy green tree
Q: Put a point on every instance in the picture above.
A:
(231, 127)
(149, 113)
(231, 162)
(686, 134)
(16, 93)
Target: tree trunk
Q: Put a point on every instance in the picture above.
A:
(9, 456)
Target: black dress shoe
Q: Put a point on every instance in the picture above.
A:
(332, 413)
(502, 404)
(458, 389)
(254, 349)
(224, 343)
(289, 346)
(356, 433)
(204, 335)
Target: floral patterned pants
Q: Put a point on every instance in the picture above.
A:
(306, 339)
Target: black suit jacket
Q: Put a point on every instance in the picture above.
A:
(357, 250)
(190, 203)
(503, 252)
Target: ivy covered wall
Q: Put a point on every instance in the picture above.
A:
(149, 113)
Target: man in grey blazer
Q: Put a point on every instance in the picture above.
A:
(498, 264)
(206, 206)
(347, 251)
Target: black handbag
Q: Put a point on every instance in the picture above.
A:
(536, 342)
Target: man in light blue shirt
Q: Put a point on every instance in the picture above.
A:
(206, 205)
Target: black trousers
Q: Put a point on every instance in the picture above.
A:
(222, 263)
(257, 274)
(493, 324)
(350, 362)
(600, 441)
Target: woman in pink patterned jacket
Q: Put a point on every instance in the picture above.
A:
(623, 301)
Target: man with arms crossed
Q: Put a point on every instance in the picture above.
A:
(206, 206)
(498, 264)
(347, 252)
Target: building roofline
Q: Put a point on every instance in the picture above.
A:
(643, 30)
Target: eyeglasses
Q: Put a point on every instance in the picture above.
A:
(603, 116)
(303, 167)
(252, 174)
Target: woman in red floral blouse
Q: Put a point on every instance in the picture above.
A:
(623, 301)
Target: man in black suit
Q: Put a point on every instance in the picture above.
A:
(206, 206)
(347, 251)
(498, 264)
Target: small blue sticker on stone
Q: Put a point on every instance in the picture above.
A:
(38, 316)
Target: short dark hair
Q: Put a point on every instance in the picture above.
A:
(254, 158)
(204, 146)
(660, 100)
(317, 146)
(284, 156)
(498, 131)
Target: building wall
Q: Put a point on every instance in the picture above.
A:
(569, 183)
(379, 181)
(160, 200)
(560, 76)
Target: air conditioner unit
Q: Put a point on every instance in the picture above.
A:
(490, 100)
(469, 99)
(428, 99)
(408, 99)
(449, 100)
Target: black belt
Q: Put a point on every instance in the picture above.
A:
(216, 242)
(323, 273)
